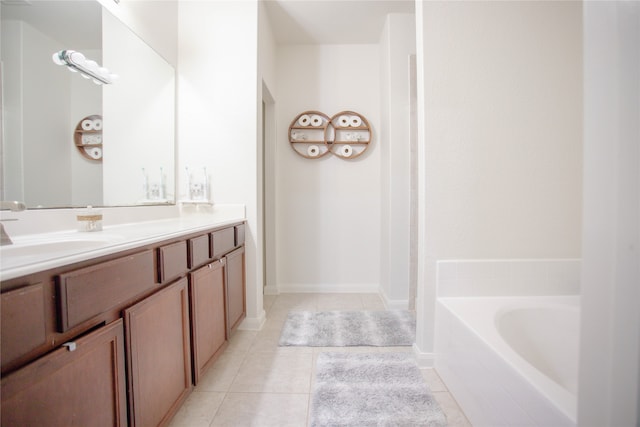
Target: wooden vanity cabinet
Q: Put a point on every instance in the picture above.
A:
(208, 320)
(82, 384)
(159, 356)
(235, 288)
(145, 324)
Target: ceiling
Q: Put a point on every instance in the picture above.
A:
(292, 21)
(331, 21)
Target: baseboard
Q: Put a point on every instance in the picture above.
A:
(253, 323)
(354, 288)
(271, 290)
(391, 304)
(424, 360)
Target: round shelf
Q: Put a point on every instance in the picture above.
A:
(87, 137)
(349, 134)
(306, 134)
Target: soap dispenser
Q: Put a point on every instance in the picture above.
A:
(89, 220)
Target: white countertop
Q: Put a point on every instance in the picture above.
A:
(31, 253)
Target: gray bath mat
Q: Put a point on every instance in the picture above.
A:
(376, 389)
(349, 328)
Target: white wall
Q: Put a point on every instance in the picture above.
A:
(12, 187)
(609, 392)
(267, 51)
(218, 113)
(139, 117)
(86, 175)
(161, 34)
(396, 44)
(500, 102)
(32, 111)
(328, 209)
(156, 22)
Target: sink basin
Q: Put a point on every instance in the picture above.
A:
(54, 245)
(47, 247)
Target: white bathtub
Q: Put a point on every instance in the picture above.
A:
(510, 361)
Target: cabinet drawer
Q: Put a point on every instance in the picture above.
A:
(172, 261)
(23, 321)
(222, 241)
(198, 251)
(239, 235)
(89, 291)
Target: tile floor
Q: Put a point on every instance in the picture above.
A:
(257, 383)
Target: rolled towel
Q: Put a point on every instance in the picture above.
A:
(313, 151)
(316, 120)
(355, 121)
(304, 120)
(94, 152)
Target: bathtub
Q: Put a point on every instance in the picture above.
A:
(510, 361)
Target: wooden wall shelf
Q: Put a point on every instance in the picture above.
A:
(351, 134)
(306, 134)
(313, 134)
(87, 137)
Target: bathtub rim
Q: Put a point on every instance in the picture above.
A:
(486, 331)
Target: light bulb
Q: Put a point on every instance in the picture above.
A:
(91, 65)
(77, 57)
(56, 59)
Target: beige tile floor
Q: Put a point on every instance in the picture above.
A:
(257, 383)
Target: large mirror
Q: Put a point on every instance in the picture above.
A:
(67, 141)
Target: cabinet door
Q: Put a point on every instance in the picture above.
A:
(207, 314)
(159, 355)
(235, 288)
(72, 386)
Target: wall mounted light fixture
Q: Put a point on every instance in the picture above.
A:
(76, 62)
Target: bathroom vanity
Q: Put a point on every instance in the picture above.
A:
(120, 335)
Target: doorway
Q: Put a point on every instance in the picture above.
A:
(267, 192)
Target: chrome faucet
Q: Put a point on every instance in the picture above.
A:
(13, 206)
